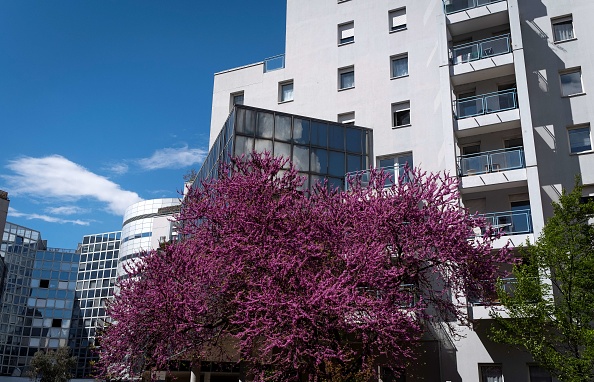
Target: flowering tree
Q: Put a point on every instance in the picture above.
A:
(320, 285)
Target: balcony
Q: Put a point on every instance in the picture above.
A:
(465, 16)
(481, 49)
(492, 111)
(393, 172)
(274, 63)
(454, 6)
(515, 227)
(511, 222)
(491, 161)
(480, 309)
(487, 104)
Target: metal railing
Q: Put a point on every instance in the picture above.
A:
(274, 63)
(486, 104)
(394, 172)
(453, 6)
(507, 284)
(491, 161)
(511, 222)
(477, 50)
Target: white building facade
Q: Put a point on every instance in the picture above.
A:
(493, 91)
(146, 225)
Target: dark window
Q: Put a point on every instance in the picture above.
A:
(44, 283)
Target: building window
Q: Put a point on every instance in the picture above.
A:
(285, 91)
(571, 82)
(236, 99)
(579, 139)
(399, 66)
(57, 323)
(491, 373)
(563, 28)
(346, 33)
(538, 374)
(401, 114)
(398, 161)
(397, 19)
(44, 283)
(347, 118)
(346, 78)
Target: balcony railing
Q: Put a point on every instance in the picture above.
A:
(394, 172)
(477, 50)
(274, 63)
(487, 104)
(453, 6)
(491, 161)
(508, 285)
(511, 222)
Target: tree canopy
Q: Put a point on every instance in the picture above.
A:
(52, 365)
(551, 308)
(320, 285)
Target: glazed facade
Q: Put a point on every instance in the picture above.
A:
(97, 274)
(318, 149)
(38, 298)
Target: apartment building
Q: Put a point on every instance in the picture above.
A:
(491, 91)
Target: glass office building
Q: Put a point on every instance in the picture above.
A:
(95, 284)
(38, 297)
(318, 149)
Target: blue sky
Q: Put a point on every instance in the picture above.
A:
(107, 102)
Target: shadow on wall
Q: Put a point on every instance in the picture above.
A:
(551, 113)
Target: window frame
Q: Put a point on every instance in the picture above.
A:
(347, 118)
(562, 20)
(232, 97)
(281, 86)
(568, 71)
(342, 72)
(398, 107)
(575, 128)
(345, 27)
(393, 14)
(395, 58)
(489, 365)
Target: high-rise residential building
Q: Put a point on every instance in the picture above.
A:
(97, 274)
(491, 91)
(36, 306)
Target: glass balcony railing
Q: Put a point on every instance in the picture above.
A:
(274, 63)
(511, 222)
(491, 161)
(486, 104)
(453, 6)
(477, 50)
(394, 172)
(508, 285)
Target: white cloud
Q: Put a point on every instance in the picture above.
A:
(57, 177)
(65, 210)
(119, 168)
(50, 219)
(173, 158)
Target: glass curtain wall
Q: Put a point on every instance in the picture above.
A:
(97, 272)
(318, 149)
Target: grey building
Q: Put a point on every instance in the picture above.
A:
(97, 274)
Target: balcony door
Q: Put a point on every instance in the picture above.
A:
(521, 217)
